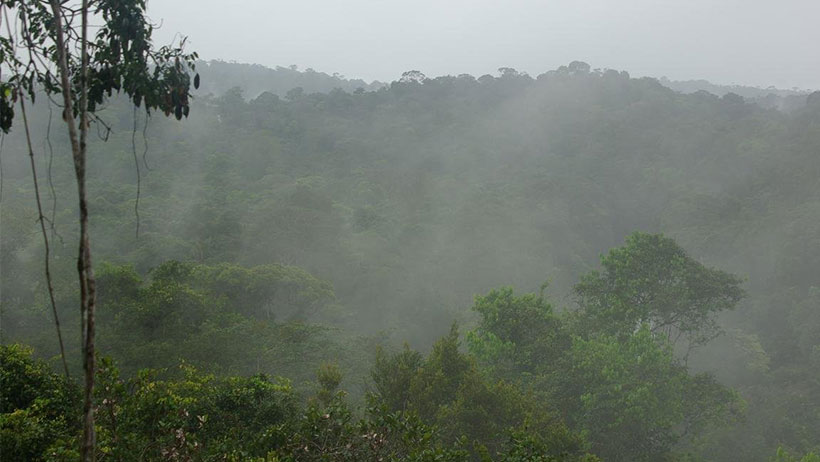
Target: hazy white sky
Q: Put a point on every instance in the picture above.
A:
(748, 42)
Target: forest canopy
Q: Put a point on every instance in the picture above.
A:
(574, 266)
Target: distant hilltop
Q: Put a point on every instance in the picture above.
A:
(692, 86)
(771, 97)
(255, 79)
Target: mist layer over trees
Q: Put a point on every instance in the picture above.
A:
(575, 266)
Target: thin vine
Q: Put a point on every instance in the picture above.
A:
(42, 220)
(139, 176)
(41, 217)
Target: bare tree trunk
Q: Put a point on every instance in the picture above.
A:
(87, 305)
(84, 266)
(88, 300)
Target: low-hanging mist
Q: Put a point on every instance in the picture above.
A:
(302, 218)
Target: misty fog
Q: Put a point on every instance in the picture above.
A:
(607, 250)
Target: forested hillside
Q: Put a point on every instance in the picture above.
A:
(254, 80)
(664, 250)
(771, 97)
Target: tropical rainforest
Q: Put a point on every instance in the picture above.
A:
(574, 266)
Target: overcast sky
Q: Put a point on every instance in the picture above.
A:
(747, 42)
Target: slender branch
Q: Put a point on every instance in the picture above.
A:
(100, 121)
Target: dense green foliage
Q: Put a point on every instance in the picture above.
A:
(651, 281)
(37, 406)
(224, 318)
(626, 393)
(447, 388)
(205, 417)
(284, 234)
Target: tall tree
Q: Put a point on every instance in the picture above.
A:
(652, 280)
(47, 52)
